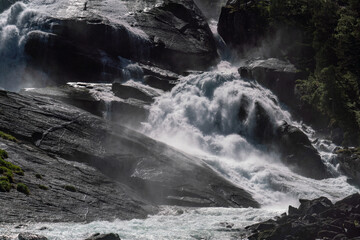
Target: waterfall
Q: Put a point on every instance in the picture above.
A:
(213, 115)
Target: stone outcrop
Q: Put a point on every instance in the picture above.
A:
(314, 219)
(116, 172)
(241, 24)
(277, 75)
(85, 45)
(349, 160)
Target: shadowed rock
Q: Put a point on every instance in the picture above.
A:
(85, 45)
(314, 219)
(135, 165)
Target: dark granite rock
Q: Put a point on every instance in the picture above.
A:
(298, 153)
(349, 161)
(109, 236)
(85, 45)
(126, 92)
(99, 156)
(29, 236)
(242, 25)
(320, 224)
(277, 75)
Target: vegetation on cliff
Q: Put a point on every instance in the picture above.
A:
(7, 170)
(322, 38)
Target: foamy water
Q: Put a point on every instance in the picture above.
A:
(199, 116)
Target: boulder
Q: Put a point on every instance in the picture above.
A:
(291, 144)
(30, 236)
(298, 153)
(141, 171)
(109, 236)
(277, 75)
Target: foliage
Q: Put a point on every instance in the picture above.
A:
(8, 137)
(42, 187)
(7, 170)
(5, 185)
(38, 176)
(322, 38)
(22, 188)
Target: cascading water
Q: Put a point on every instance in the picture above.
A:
(14, 24)
(201, 116)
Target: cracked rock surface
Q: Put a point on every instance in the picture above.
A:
(116, 172)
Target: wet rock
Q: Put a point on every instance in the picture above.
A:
(109, 236)
(3, 237)
(126, 92)
(318, 225)
(298, 153)
(29, 236)
(316, 206)
(122, 173)
(277, 75)
(83, 46)
(194, 47)
(159, 83)
(100, 100)
(349, 160)
(4, 5)
(241, 24)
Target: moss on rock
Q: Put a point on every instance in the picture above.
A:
(21, 187)
(70, 188)
(8, 137)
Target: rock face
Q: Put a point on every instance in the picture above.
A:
(298, 153)
(115, 171)
(129, 107)
(241, 25)
(84, 44)
(211, 9)
(277, 75)
(291, 144)
(314, 219)
(349, 161)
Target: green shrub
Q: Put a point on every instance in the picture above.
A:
(21, 187)
(42, 187)
(5, 185)
(16, 169)
(38, 176)
(8, 137)
(70, 188)
(3, 154)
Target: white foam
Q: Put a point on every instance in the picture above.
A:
(201, 116)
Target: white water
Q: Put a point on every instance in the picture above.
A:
(26, 16)
(200, 116)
